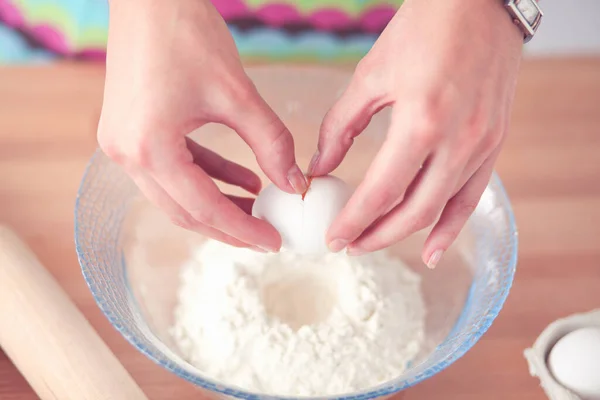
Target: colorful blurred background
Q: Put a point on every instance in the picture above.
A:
(34, 31)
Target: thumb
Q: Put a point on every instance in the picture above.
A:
(270, 140)
(346, 119)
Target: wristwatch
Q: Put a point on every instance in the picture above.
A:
(526, 14)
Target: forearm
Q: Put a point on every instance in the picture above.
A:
(157, 10)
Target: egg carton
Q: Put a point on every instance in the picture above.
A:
(537, 354)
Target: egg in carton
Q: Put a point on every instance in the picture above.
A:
(566, 358)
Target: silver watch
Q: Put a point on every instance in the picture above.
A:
(526, 14)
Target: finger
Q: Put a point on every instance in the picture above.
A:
(270, 140)
(195, 192)
(419, 209)
(386, 181)
(346, 119)
(456, 213)
(244, 203)
(157, 196)
(222, 169)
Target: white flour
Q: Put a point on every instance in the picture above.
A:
(288, 325)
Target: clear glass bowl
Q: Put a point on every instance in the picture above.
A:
(130, 253)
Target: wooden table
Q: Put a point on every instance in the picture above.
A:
(549, 165)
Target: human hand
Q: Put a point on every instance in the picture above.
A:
(171, 68)
(448, 69)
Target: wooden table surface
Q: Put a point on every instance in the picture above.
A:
(549, 165)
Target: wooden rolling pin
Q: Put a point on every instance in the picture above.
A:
(48, 338)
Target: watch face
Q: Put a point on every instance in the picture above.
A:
(528, 9)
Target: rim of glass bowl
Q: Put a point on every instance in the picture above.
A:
(384, 389)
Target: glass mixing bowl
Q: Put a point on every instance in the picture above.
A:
(130, 253)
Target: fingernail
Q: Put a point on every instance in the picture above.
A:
(256, 185)
(434, 259)
(269, 250)
(356, 251)
(297, 179)
(256, 248)
(337, 245)
(313, 163)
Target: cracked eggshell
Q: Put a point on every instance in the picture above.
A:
(303, 224)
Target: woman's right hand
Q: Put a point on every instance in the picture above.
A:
(172, 66)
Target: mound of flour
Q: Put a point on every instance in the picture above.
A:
(289, 325)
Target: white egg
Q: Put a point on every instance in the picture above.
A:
(574, 361)
(303, 223)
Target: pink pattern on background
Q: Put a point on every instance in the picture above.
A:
(50, 38)
(277, 14)
(329, 18)
(10, 15)
(377, 18)
(93, 54)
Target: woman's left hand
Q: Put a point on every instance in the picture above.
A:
(448, 68)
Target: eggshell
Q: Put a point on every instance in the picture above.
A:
(574, 361)
(303, 223)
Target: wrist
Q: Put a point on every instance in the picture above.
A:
(493, 21)
(149, 8)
